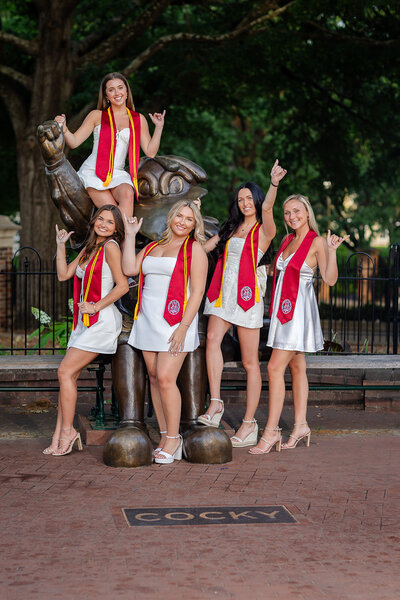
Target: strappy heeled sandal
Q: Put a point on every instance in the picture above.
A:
(249, 440)
(277, 443)
(306, 436)
(165, 458)
(68, 448)
(215, 420)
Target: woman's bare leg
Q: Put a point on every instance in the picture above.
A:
(249, 340)
(57, 432)
(276, 375)
(100, 197)
(124, 196)
(168, 368)
(298, 369)
(216, 330)
(68, 372)
(150, 358)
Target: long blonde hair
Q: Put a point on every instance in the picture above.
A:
(102, 102)
(198, 231)
(312, 223)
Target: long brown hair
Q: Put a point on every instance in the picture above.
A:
(102, 102)
(118, 235)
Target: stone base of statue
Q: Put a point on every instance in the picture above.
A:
(128, 447)
(207, 445)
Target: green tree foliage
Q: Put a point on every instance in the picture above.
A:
(312, 82)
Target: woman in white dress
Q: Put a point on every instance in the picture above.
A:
(236, 297)
(295, 326)
(104, 175)
(172, 279)
(98, 283)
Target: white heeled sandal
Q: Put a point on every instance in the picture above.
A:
(249, 440)
(215, 420)
(277, 443)
(305, 436)
(164, 458)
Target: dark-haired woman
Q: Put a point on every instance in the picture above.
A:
(118, 130)
(235, 296)
(98, 283)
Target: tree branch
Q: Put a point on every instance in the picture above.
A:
(353, 38)
(17, 76)
(111, 47)
(251, 27)
(27, 46)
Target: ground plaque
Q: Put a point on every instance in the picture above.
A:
(207, 515)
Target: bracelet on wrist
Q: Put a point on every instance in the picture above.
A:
(274, 185)
(184, 324)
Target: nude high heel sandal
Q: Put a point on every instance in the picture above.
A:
(249, 440)
(164, 458)
(68, 449)
(306, 436)
(215, 420)
(277, 443)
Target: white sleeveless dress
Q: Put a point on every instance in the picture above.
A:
(102, 336)
(87, 172)
(230, 310)
(303, 333)
(151, 331)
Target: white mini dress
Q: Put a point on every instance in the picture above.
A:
(87, 172)
(303, 333)
(102, 336)
(151, 331)
(230, 310)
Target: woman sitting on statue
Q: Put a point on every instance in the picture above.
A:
(172, 278)
(235, 296)
(98, 283)
(117, 130)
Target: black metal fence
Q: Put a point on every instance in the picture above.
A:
(360, 314)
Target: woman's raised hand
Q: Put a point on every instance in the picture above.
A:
(62, 121)
(277, 173)
(132, 225)
(334, 241)
(158, 118)
(62, 236)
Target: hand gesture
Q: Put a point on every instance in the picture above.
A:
(334, 241)
(177, 340)
(197, 202)
(132, 225)
(277, 173)
(62, 121)
(158, 118)
(62, 236)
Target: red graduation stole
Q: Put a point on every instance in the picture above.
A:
(91, 286)
(107, 145)
(291, 277)
(248, 293)
(177, 291)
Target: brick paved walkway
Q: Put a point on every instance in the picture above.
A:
(63, 536)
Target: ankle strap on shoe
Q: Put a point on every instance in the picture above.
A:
(273, 429)
(298, 424)
(250, 421)
(163, 431)
(217, 399)
(173, 437)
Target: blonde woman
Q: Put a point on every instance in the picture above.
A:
(172, 278)
(295, 325)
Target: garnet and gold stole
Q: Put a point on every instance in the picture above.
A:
(177, 291)
(291, 277)
(91, 287)
(108, 143)
(248, 293)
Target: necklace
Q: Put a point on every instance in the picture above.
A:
(248, 228)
